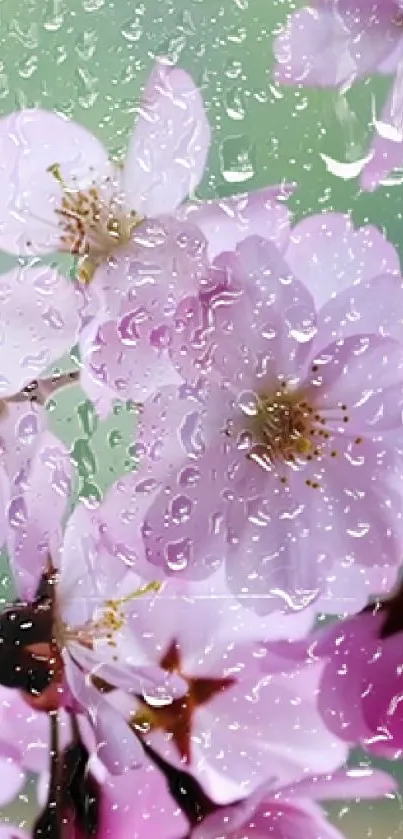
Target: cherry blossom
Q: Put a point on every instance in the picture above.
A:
(282, 454)
(68, 638)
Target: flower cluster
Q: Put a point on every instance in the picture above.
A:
(161, 673)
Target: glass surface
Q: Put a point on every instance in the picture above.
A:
(89, 60)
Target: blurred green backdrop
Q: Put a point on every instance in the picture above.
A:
(89, 60)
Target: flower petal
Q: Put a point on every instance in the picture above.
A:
(169, 146)
(126, 348)
(387, 144)
(329, 254)
(346, 783)
(134, 677)
(117, 746)
(376, 306)
(254, 325)
(364, 373)
(227, 221)
(32, 532)
(39, 322)
(32, 141)
(330, 45)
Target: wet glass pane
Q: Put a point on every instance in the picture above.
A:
(200, 419)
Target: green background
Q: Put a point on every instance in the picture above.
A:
(89, 60)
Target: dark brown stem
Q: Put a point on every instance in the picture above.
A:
(49, 824)
(39, 391)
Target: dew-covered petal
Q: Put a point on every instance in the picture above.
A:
(117, 667)
(169, 146)
(117, 746)
(380, 698)
(184, 528)
(328, 45)
(346, 783)
(138, 804)
(329, 254)
(226, 221)
(86, 577)
(31, 141)
(279, 553)
(375, 306)
(341, 707)
(363, 507)
(258, 820)
(21, 423)
(195, 612)
(127, 347)
(122, 358)
(32, 532)
(165, 260)
(386, 150)
(256, 324)
(349, 587)
(364, 373)
(39, 322)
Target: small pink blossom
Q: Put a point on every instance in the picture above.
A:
(282, 456)
(74, 596)
(142, 247)
(333, 43)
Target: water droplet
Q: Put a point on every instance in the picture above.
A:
(237, 156)
(115, 438)
(27, 428)
(17, 513)
(159, 699)
(86, 45)
(93, 5)
(189, 476)
(233, 104)
(177, 554)
(301, 323)
(181, 508)
(132, 30)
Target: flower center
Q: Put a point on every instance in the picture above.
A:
(176, 718)
(285, 427)
(111, 618)
(93, 223)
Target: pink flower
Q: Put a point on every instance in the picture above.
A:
(70, 635)
(334, 42)
(66, 194)
(128, 806)
(284, 455)
(362, 682)
(235, 727)
(291, 811)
